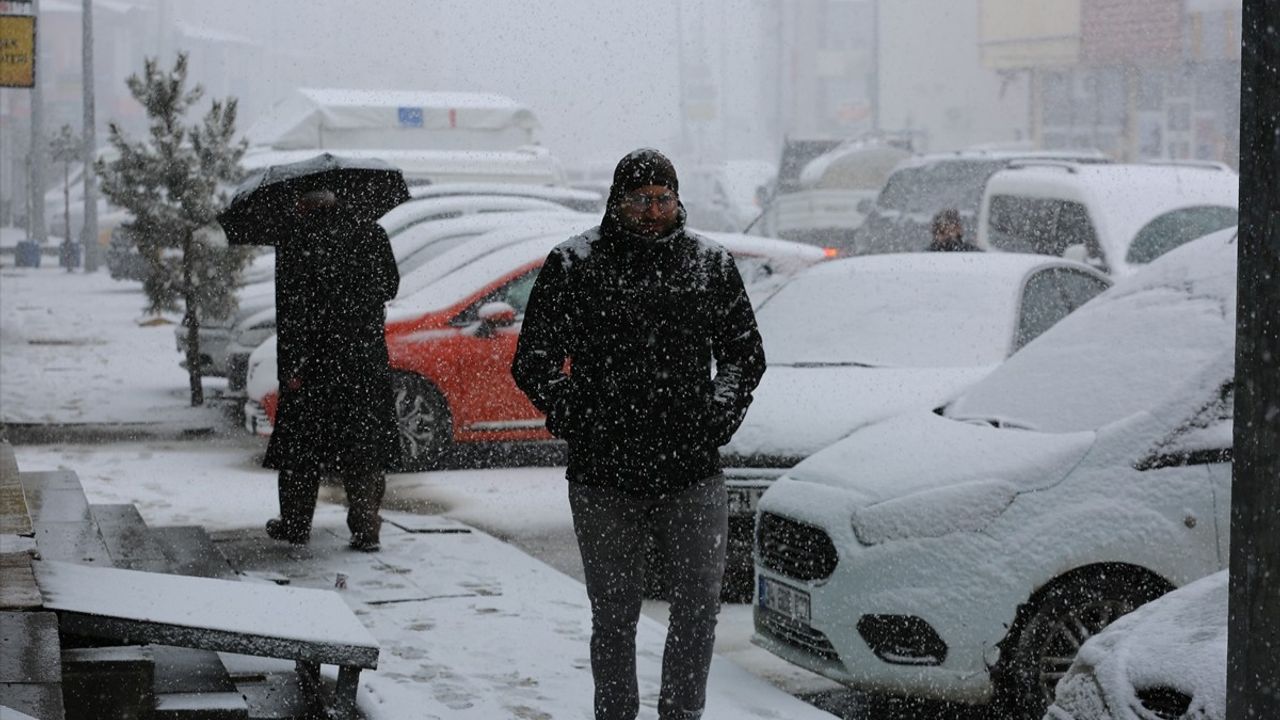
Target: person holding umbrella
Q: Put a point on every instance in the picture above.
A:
(334, 273)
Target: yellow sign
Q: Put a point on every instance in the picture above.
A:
(17, 51)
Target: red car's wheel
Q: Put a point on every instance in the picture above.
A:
(425, 426)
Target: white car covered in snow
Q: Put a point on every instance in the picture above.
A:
(965, 554)
(1117, 218)
(850, 342)
(1165, 660)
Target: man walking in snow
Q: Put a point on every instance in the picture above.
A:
(617, 349)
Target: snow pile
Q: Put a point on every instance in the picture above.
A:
(1178, 642)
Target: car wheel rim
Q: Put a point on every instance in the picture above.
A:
(416, 421)
(1068, 632)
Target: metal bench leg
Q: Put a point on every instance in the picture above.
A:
(312, 689)
(348, 684)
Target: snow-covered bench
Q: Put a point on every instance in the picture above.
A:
(311, 627)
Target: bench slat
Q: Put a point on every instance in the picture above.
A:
(225, 615)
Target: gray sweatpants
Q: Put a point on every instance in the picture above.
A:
(690, 528)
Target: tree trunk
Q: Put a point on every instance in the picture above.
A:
(191, 321)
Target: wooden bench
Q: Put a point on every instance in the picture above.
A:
(311, 627)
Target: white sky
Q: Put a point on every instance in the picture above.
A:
(601, 76)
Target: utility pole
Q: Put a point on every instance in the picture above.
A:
(36, 228)
(1253, 628)
(875, 66)
(89, 231)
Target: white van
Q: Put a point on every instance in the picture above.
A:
(1115, 217)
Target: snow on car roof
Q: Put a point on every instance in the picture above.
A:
(463, 249)
(413, 238)
(549, 192)
(1124, 198)
(899, 310)
(456, 284)
(414, 210)
(1123, 351)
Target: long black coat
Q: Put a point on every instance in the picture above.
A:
(640, 321)
(336, 409)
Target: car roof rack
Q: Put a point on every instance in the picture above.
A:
(1184, 162)
(1070, 166)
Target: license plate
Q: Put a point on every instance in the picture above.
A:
(743, 501)
(784, 600)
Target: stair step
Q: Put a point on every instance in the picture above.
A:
(191, 551)
(30, 666)
(114, 681)
(128, 539)
(201, 706)
(194, 685)
(64, 527)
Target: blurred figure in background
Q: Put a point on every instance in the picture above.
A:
(948, 233)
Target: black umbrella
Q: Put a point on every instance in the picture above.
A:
(263, 205)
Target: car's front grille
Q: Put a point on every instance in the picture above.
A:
(783, 629)
(794, 549)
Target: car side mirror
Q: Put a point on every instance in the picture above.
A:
(1077, 252)
(495, 315)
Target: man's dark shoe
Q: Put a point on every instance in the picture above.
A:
(365, 543)
(278, 529)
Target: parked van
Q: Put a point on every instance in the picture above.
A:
(1115, 217)
(837, 191)
(921, 186)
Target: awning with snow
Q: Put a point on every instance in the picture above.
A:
(329, 118)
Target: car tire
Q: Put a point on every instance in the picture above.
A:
(1058, 620)
(424, 425)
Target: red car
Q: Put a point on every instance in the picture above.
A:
(451, 345)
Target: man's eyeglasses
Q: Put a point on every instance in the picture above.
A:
(637, 201)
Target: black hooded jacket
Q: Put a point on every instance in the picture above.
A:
(617, 349)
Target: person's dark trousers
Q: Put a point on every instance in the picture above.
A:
(364, 500)
(690, 528)
(298, 490)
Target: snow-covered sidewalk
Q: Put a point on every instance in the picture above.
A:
(470, 627)
(78, 349)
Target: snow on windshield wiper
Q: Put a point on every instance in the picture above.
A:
(995, 422)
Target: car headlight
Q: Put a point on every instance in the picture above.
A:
(252, 337)
(963, 507)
